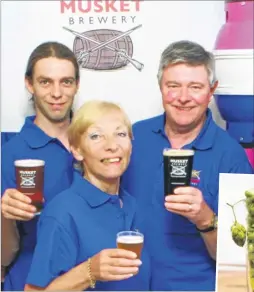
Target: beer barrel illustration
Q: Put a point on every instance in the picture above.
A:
(104, 58)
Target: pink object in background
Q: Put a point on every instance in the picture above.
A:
(250, 154)
(237, 32)
(234, 69)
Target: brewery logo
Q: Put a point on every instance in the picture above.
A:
(27, 178)
(104, 49)
(195, 177)
(178, 167)
(104, 46)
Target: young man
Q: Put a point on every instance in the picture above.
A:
(182, 227)
(52, 78)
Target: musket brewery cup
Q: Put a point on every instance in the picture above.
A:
(130, 240)
(30, 180)
(177, 168)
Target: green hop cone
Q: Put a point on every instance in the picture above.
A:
(249, 194)
(238, 233)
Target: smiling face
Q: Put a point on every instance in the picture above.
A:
(105, 148)
(186, 93)
(53, 87)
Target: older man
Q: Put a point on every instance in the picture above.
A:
(182, 228)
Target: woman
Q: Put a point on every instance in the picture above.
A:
(77, 230)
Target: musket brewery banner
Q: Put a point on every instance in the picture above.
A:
(117, 43)
(103, 48)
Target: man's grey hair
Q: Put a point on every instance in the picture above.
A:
(189, 53)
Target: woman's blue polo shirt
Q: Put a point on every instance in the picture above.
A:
(79, 223)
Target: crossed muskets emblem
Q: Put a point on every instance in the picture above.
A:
(122, 53)
(178, 170)
(27, 181)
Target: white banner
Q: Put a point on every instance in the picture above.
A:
(127, 76)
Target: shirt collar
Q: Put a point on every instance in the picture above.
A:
(207, 136)
(33, 135)
(94, 196)
(204, 140)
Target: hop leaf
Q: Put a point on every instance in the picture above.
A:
(238, 233)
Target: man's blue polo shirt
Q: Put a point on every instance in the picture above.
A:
(180, 259)
(33, 143)
(6, 136)
(86, 223)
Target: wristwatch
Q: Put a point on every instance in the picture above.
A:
(212, 226)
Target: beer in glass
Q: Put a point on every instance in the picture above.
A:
(177, 168)
(130, 240)
(30, 180)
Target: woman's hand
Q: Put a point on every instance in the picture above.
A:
(114, 265)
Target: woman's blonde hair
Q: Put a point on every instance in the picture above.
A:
(88, 114)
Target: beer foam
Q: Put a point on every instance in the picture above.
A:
(130, 239)
(178, 152)
(29, 163)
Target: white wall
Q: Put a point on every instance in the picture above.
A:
(231, 190)
(26, 24)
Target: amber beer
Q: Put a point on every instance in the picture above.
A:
(131, 240)
(177, 168)
(30, 180)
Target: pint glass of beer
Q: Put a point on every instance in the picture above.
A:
(177, 168)
(30, 180)
(130, 240)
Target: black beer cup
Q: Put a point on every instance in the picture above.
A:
(177, 168)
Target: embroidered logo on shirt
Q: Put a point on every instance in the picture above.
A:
(195, 177)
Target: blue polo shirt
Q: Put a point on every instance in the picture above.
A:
(180, 259)
(32, 143)
(86, 223)
(6, 136)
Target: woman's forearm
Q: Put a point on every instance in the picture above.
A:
(10, 241)
(77, 279)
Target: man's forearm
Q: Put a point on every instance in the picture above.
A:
(210, 239)
(10, 241)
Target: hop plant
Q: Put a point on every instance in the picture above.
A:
(249, 194)
(238, 231)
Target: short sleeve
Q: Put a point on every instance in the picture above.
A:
(236, 161)
(55, 253)
(242, 167)
(8, 179)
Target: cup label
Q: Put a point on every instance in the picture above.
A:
(27, 178)
(178, 167)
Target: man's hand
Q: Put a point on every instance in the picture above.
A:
(189, 202)
(17, 206)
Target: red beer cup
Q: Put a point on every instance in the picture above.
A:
(30, 180)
